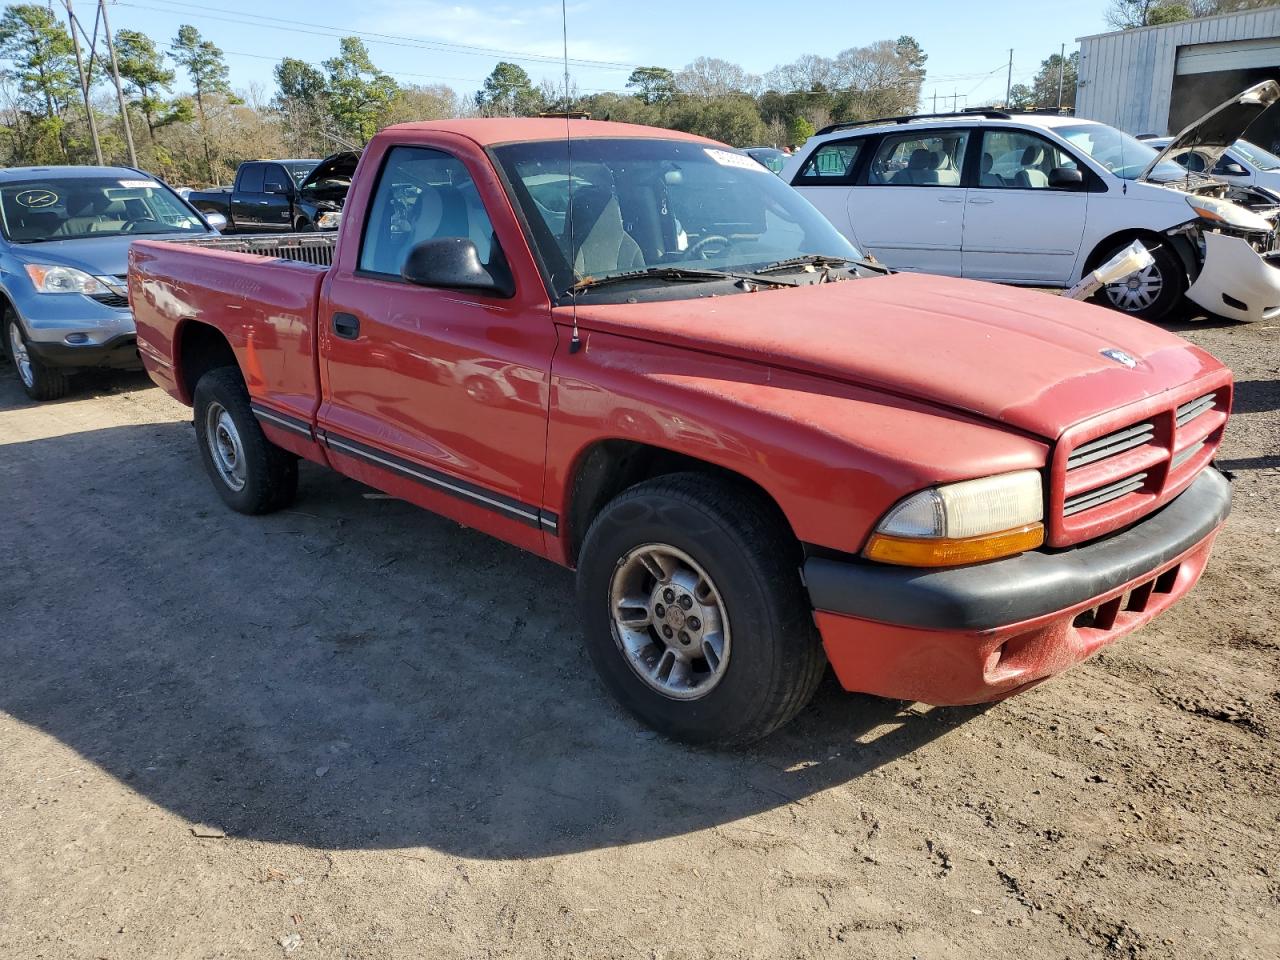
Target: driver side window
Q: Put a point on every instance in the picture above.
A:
(421, 195)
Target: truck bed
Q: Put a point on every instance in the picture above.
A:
(260, 292)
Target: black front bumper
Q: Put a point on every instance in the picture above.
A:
(118, 353)
(1024, 587)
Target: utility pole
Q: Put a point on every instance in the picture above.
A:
(935, 99)
(115, 76)
(1008, 85)
(84, 82)
(1062, 70)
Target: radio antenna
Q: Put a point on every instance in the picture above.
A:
(575, 341)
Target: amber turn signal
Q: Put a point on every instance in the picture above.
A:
(949, 552)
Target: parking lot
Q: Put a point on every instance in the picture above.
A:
(354, 729)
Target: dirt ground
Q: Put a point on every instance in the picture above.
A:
(356, 730)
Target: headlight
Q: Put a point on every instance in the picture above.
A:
(53, 279)
(329, 221)
(1227, 214)
(964, 522)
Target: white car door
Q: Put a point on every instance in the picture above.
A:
(1023, 222)
(910, 210)
(825, 179)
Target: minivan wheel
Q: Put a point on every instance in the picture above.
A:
(1151, 293)
(250, 473)
(38, 379)
(693, 611)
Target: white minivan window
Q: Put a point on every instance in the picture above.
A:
(831, 162)
(1017, 160)
(916, 160)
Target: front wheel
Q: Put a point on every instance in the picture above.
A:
(250, 473)
(38, 379)
(1150, 293)
(694, 613)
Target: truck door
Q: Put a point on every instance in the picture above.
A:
(439, 396)
(248, 198)
(277, 211)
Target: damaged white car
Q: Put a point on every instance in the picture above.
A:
(1044, 200)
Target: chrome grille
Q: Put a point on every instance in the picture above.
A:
(1100, 495)
(1112, 444)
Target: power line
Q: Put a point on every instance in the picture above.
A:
(326, 30)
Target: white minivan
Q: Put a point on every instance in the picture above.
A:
(1043, 199)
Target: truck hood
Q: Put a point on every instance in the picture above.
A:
(1034, 361)
(337, 166)
(1222, 126)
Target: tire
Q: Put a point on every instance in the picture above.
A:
(40, 381)
(770, 655)
(304, 226)
(250, 473)
(1168, 271)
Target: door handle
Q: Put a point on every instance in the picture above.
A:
(346, 326)
(951, 199)
(982, 200)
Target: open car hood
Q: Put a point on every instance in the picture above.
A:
(1220, 127)
(333, 167)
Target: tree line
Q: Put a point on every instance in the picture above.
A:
(192, 127)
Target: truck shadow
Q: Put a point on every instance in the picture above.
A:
(353, 672)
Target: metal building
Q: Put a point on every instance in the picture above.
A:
(1159, 79)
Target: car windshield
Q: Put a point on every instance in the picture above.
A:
(300, 169)
(1262, 159)
(32, 211)
(1120, 153)
(770, 157)
(639, 204)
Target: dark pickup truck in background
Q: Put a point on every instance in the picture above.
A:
(274, 196)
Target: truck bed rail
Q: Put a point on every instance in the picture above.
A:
(313, 248)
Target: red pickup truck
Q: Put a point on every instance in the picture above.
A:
(641, 355)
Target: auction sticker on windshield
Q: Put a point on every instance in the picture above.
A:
(138, 184)
(727, 159)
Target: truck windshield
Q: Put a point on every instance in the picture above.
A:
(33, 211)
(639, 204)
(299, 169)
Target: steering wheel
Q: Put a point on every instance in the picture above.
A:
(131, 226)
(699, 249)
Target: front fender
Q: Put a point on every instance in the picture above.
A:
(834, 457)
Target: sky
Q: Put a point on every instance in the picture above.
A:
(425, 42)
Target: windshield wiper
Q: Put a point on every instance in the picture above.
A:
(673, 275)
(807, 260)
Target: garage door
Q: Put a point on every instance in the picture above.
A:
(1228, 55)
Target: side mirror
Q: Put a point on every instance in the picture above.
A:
(216, 220)
(1066, 178)
(454, 264)
(1232, 169)
(278, 188)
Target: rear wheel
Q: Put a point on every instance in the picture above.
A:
(1152, 292)
(694, 614)
(38, 379)
(250, 473)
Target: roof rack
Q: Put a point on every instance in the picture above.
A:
(992, 114)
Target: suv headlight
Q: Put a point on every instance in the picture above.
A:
(1227, 214)
(965, 522)
(329, 221)
(49, 278)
